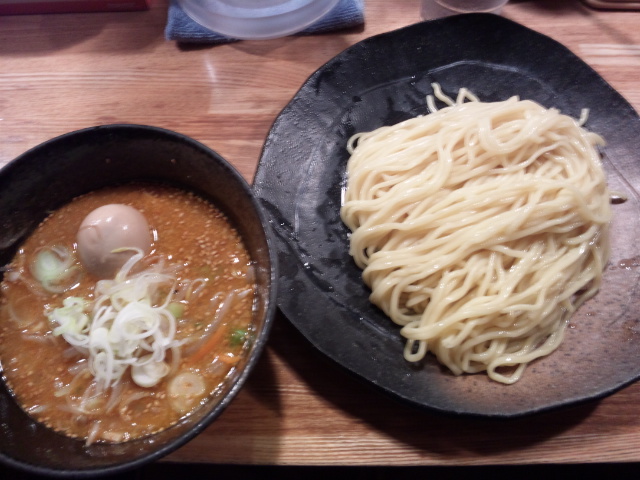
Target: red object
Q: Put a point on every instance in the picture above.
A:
(19, 7)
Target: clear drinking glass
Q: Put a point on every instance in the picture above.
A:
(442, 8)
(256, 19)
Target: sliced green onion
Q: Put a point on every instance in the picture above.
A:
(128, 325)
(185, 391)
(72, 320)
(238, 337)
(176, 309)
(55, 269)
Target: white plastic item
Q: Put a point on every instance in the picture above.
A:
(442, 8)
(256, 19)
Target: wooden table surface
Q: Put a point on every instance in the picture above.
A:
(63, 72)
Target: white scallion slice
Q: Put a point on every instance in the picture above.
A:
(55, 269)
(185, 391)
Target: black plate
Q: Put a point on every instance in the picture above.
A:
(383, 80)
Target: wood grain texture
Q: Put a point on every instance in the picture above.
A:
(64, 72)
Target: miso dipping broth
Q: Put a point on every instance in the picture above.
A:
(124, 311)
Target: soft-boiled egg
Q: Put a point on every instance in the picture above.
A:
(107, 236)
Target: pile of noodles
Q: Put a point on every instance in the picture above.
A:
(480, 228)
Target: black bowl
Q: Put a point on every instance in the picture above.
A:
(50, 175)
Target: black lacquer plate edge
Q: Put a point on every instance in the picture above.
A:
(301, 285)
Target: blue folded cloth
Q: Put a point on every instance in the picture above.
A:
(180, 27)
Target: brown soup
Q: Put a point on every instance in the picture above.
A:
(197, 283)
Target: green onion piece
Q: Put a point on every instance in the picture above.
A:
(70, 317)
(176, 309)
(238, 337)
(53, 267)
